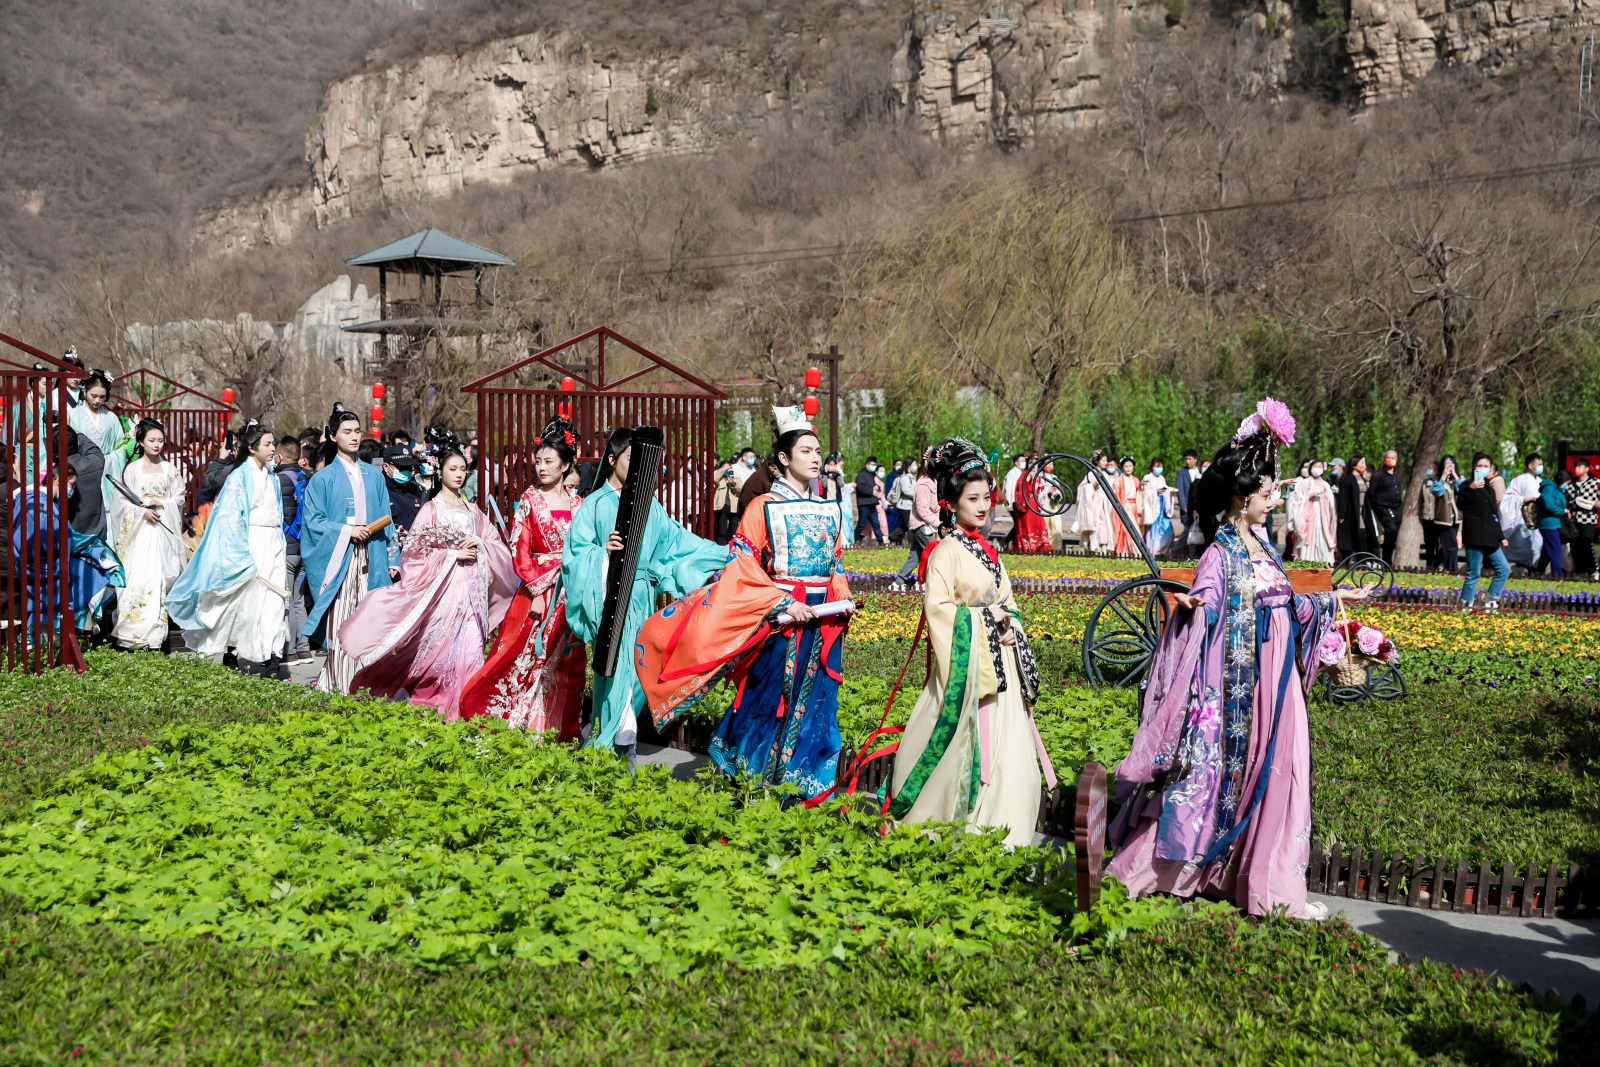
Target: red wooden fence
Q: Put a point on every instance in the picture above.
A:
(511, 416)
(37, 581)
(194, 422)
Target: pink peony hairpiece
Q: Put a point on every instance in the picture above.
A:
(1248, 428)
(1274, 415)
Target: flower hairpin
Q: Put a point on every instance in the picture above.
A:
(1270, 415)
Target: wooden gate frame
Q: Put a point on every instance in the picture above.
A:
(51, 645)
(514, 416)
(212, 421)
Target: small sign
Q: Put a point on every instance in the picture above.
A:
(1089, 833)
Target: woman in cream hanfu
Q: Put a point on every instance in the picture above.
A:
(756, 626)
(146, 537)
(424, 635)
(1094, 522)
(232, 595)
(534, 677)
(971, 752)
(1216, 789)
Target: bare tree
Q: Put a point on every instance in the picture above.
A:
(1446, 296)
(1016, 286)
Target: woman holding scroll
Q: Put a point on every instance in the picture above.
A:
(424, 634)
(758, 626)
(971, 752)
(671, 560)
(345, 543)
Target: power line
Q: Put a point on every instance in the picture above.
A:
(802, 253)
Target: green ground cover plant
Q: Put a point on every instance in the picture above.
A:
(370, 828)
(1207, 988)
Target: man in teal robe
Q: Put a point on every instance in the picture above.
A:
(671, 560)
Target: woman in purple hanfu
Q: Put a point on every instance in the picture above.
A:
(1216, 792)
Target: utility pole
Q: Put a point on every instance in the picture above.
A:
(832, 356)
(246, 409)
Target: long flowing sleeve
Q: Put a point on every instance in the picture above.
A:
(681, 561)
(522, 534)
(583, 562)
(940, 606)
(222, 560)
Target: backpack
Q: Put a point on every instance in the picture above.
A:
(1532, 512)
(292, 529)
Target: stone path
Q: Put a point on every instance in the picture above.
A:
(1554, 954)
(1548, 953)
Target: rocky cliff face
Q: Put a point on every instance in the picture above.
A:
(1394, 42)
(964, 73)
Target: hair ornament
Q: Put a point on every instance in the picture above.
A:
(791, 418)
(559, 431)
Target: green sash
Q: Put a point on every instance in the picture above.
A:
(955, 696)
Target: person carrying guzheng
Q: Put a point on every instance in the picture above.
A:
(671, 560)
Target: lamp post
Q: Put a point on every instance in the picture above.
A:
(246, 409)
(833, 356)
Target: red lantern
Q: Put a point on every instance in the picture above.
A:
(377, 413)
(377, 390)
(811, 407)
(227, 396)
(813, 378)
(568, 385)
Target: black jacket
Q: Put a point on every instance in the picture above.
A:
(289, 475)
(1480, 517)
(211, 481)
(404, 502)
(1385, 489)
(1357, 533)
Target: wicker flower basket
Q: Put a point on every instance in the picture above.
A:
(1352, 670)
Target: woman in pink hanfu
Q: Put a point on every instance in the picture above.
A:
(534, 677)
(425, 634)
(1216, 791)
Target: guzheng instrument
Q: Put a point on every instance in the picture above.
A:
(633, 514)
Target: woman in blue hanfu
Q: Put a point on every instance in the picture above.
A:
(758, 628)
(671, 560)
(95, 569)
(231, 596)
(108, 432)
(344, 556)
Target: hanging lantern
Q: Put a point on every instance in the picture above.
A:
(377, 390)
(813, 377)
(568, 385)
(227, 395)
(377, 413)
(811, 407)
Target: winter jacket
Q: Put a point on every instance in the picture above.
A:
(1552, 505)
(1480, 515)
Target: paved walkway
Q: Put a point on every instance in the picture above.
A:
(1550, 953)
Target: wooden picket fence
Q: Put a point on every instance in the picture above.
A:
(1451, 885)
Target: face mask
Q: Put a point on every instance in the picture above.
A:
(1538, 469)
(1480, 473)
(1430, 472)
(1159, 469)
(1316, 472)
(872, 468)
(751, 462)
(402, 477)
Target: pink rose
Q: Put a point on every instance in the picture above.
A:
(1332, 648)
(1274, 415)
(1369, 640)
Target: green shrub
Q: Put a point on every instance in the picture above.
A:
(370, 828)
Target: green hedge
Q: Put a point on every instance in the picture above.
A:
(1204, 990)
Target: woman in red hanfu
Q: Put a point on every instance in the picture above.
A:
(534, 677)
(1031, 532)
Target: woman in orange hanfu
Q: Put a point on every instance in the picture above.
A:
(1125, 486)
(1031, 532)
(534, 677)
(783, 726)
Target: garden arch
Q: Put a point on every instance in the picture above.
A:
(516, 402)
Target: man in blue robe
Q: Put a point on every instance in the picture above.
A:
(343, 560)
(671, 560)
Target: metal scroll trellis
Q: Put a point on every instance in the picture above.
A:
(194, 422)
(510, 418)
(38, 617)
